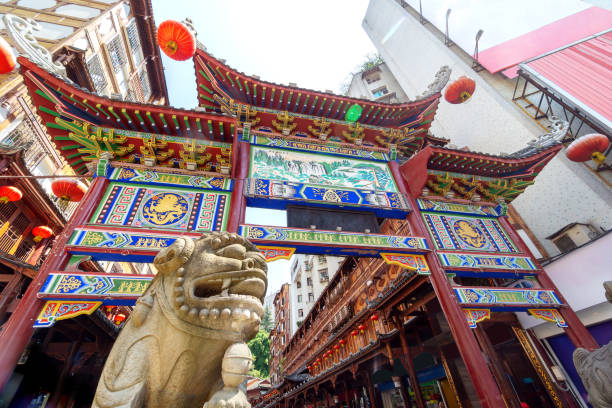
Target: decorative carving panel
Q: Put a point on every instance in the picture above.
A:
(136, 206)
(465, 233)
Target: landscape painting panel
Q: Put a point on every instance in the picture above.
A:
(293, 166)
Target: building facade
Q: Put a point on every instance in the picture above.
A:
(106, 47)
(513, 100)
(377, 84)
(310, 275)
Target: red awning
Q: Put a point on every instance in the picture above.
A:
(581, 74)
(507, 55)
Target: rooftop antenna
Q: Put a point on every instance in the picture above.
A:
(421, 12)
(475, 64)
(447, 40)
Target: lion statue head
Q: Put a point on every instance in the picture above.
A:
(216, 282)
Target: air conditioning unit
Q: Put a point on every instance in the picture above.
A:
(573, 235)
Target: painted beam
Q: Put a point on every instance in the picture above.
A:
(505, 298)
(277, 194)
(105, 287)
(332, 242)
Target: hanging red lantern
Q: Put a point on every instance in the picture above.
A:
(354, 333)
(175, 40)
(41, 232)
(460, 90)
(361, 328)
(374, 317)
(336, 347)
(10, 193)
(68, 189)
(7, 58)
(318, 360)
(119, 318)
(342, 342)
(588, 147)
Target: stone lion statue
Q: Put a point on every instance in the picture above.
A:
(595, 368)
(183, 346)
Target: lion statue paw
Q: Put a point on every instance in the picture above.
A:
(228, 398)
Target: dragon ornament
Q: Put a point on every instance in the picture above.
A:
(184, 344)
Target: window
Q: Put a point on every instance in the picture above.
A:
(134, 41)
(13, 232)
(565, 243)
(310, 297)
(97, 73)
(323, 275)
(380, 92)
(372, 77)
(144, 83)
(299, 284)
(299, 298)
(25, 249)
(322, 259)
(116, 53)
(309, 281)
(300, 313)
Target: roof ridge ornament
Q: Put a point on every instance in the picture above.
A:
(189, 24)
(558, 130)
(21, 32)
(441, 79)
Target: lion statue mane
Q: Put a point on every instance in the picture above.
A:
(184, 344)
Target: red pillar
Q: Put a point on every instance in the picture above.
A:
(241, 173)
(18, 329)
(484, 383)
(575, 330)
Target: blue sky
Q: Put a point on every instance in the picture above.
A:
(315, 44)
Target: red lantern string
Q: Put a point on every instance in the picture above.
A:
(41, 232)
(588, 147)
(10, 193)
(175, 40)
(7, 58)
(460, 90)
(68, 189)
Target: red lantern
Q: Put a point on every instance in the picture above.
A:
(41, 232)
(175, 40)
(361, 328)
(374, 317)
(588, 147)
(336, 347)
(7, 58)
(460, 90)
(9, 193)
(68, 189)
(354, 333)
(342, 342)
(119, 318)
(318, 360)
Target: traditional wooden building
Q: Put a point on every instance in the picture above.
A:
(281, 333)
(106, 47)
(422, 306)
